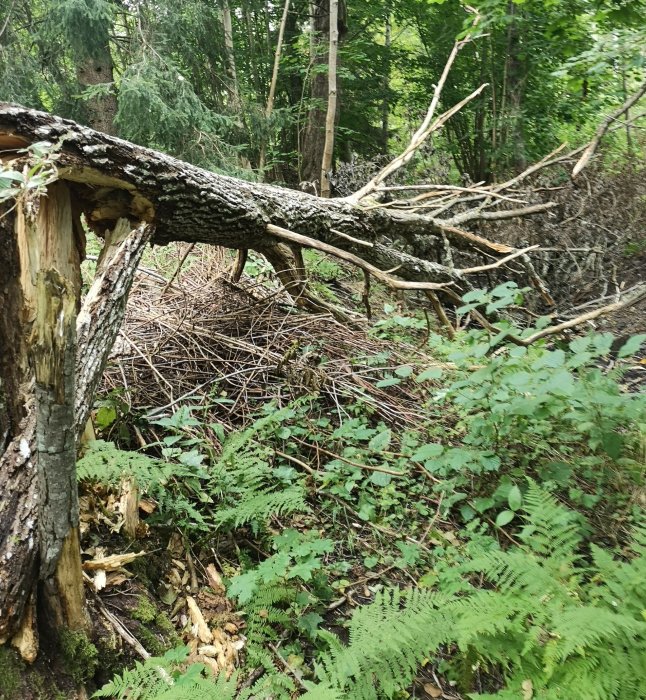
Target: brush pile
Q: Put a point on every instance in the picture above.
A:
(203, 341)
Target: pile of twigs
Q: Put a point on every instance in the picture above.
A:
(203, 341)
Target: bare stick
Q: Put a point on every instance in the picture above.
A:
(328, 147)
(187, 252)
(384, 277)
(603, 127)
(417, 140)
(477, 215)
(603, 311)
(422, 133)
(352, 239)
(498, 263)
(441, 314)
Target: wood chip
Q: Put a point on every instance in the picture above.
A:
(432, 690)
(111, 563)
(100, 579)
(211, 650)
(203, 632)
(214, 579)
(148, 507)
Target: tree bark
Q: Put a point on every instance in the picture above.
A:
(44, 407)
(314, 138)
(42, 509)
(112, 178)
(232, 74)
(330, 117)
(94, 66)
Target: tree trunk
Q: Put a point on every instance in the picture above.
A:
(314, 139)
(40, 457)
(47, 394)
(232, 74)
(194, 205)
(330, 117)
(95, 67)
(515, 74)
(272, 87)
(385, 102)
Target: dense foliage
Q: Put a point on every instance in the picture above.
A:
(171, 76)
(516, 510)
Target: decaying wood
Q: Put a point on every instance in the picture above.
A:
(38, 458)
(100, 317)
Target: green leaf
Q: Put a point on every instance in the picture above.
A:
(504, 517)
(11, 175)
(430, 373)
(427, 452)
(380, 441)
(612, 444)
(631, 346)
(309, 623)
(391, 381)
(404, 371)
(105, 417)
(191, 459)
(380, 479)
(243, 587)
(370, 562)
(514, 498)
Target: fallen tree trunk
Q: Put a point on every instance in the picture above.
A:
(111, 178)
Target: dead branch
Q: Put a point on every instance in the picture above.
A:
(498, 263)
(382, 276)
(603, 128)
(425, 129)
(640, 293)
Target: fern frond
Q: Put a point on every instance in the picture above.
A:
(551, 530)
(162, 678)
(388, 641)
(261, 505)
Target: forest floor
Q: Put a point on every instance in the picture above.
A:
(264, 472)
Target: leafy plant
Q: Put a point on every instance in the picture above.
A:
(168, 484)
(549, 620)
(168, 678)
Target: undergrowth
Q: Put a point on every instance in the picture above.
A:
(497, 542)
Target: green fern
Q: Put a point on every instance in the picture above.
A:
(107, 464)
(571, 631)
(388, 641)
(247, 480)
(163, 678)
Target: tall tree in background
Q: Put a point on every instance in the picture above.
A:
(330, 117)
(314, 138)
(87, 25)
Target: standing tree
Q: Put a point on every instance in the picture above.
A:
(330, 117)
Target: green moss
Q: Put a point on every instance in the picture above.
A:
(151, 642)
(145, 611)
(80, 654)
(167, 628)
(10, 673)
